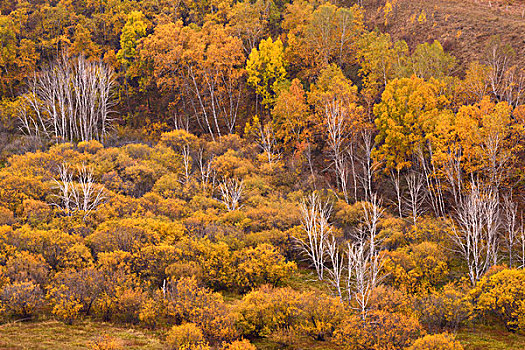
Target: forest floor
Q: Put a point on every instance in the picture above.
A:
(490, 338)
(54, 335)
(464, 27)
(82, 335)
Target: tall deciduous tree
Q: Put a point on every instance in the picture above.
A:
(380, 59)
(318, 37)
(478, 218)
(334, 99)
(290, 115)
(7, 50)
(249, 21)
(266, 69)
(134, 29)
(505, 80)
(481, 140)
(315, 215)
(204, 66)
(82, 41)
(430, 61)
(406, 120)
(406, 117)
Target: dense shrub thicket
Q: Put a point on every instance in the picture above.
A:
(223, 172)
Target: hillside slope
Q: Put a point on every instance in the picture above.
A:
(463, 27)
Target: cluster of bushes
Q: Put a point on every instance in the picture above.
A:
(162, 250)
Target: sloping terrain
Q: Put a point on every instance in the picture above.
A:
(464, 28)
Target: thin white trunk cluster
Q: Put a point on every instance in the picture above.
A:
(71, 100)
(416, 195)
(206, 172)
(505, 80)
(196, 166)
(512, 231)
(434, 184)
(353, 273)
(337, 137)
(522, 251)
(268, 143)
(83, 195)
(364, 259)
(350, 153)
(214, 96)
(231, 193)
(187, 163)
(478, 221)
(368, 168)
(315, 216)
(395, 177)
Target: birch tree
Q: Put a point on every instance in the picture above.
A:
(504, 79)
(268, 143)
(355, 272)
(364, 258)
(476, 239)
(522, 243)
(203, 65)
(90, 195)
(65, 188)
(187, 163)
(315, 215)
(369, 168)
(71, 100)
(206, 171)
(83, 195)
(510, 221)
(416, 195)
(337, 138)
(231, 193)
(336, 267)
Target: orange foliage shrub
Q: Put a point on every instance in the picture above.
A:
(448, 308)
(418, 268)
(266, 310)
(6, 216)
(24, 266)
(187, 336)
(442, 341)
(239, 345)
(380, 330)
(186, 301)
(502, 294)
(22, 299)
(73, 292)
(390, 299)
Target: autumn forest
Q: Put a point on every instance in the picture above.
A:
(261, 174)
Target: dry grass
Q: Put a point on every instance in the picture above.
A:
(58, 336)
(464, 27)
(283, 342)
(476, 338)
(490, 338)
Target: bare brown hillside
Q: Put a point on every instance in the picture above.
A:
(464, 27)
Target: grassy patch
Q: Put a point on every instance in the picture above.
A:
(490, 338)
(305, 280)
(275, 343)
(476, 338)
(56, 335)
